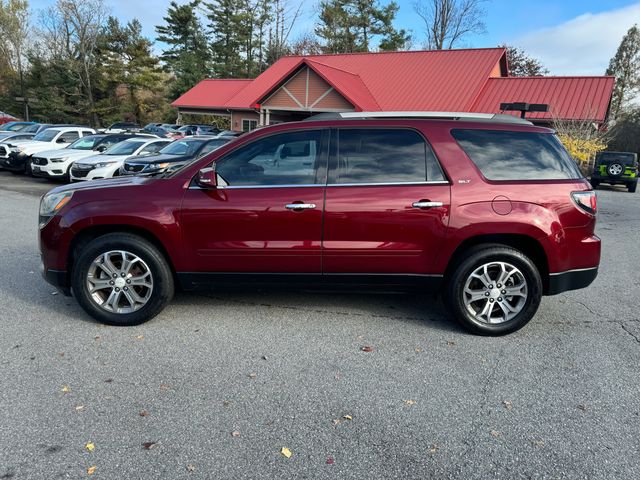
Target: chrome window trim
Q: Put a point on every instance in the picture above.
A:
(373, 184)
(244, 187)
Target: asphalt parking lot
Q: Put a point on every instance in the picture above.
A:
(219, 383)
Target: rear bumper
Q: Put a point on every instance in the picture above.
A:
(614, 180)
(571, 280)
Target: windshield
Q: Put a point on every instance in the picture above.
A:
(85, 143)
(125, 148)
(183, 147)
(46, 135)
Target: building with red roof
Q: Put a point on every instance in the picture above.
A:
(466, 80)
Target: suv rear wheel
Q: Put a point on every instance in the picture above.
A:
(121, 279)
(615, 169)
(494, 290)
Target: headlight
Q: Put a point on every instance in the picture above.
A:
(157, 166)
(50, 204)
(103, 164)
(58, 160)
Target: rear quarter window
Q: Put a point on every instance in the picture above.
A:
(505, 155)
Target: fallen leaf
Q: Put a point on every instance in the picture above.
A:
(91, 470)
(507, 404)
(191, 468)
(347, 417)
(97, 337)
(235, 433)
(433, 449)
(286, 452)
(149, 445)
(495, 433)
(108, 380)
(79, 408)
(226, 403)
(164, 386)
(410, 402)
(330, 461)
(336, 422)
(90, 446)
(367, 349)
(451, 343)
(65, 389)
(140, 337)
(143, 413)
(582, 407)
(252, 375)
(418, 350)
(61, 354)
(538, 443)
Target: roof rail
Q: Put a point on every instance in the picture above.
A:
(476, 117)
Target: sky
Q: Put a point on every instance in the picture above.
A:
(570, 37)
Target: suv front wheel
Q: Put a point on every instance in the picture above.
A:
(494, 290)
(121, 279)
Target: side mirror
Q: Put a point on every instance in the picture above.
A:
(101, 148)
(207, 178)
(61, 140)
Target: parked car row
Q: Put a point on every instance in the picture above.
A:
(72, 153)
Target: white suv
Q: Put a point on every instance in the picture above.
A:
(108, 163)
(57, 138)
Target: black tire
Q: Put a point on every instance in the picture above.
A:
(27, 168)
(16, 172)
(163, 285)
(595, 184)
(632, 186)
(615, 169)
(476, 257)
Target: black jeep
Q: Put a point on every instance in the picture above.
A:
(616, 168)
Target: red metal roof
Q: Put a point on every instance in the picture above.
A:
(413, 80)
(211, 93)
(569, 98)
(439, 80)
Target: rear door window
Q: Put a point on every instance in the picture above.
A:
(505, 155)
(383, 156)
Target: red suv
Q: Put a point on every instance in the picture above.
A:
(488, 208)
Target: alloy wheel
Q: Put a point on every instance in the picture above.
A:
(119, 282)
(495, 292)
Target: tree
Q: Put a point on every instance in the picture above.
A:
(71, 34)
(523, 65)
(228, 29)
(354, 25)
(126, 63)
(625, 134)
(14, 30)
(188, 56)
(448, 21)
(625, 66)
(306, 44)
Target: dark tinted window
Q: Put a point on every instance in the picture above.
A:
(624, 157)
(384, 156)
(502, 155)
(284, 159)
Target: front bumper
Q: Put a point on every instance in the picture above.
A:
(571, 280)
(39, 171)
(15, 162)
(59, 279)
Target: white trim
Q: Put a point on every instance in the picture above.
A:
(319, 99)
(574, 270)
(292, 97)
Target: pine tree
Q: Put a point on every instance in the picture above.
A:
(228, 25)
(625, 66)
(354, 26)
(188, 57)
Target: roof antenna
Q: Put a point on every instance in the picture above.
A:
(523, 107)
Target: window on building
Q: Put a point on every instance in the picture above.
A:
(248, 125)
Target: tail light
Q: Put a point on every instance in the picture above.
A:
(586, 201)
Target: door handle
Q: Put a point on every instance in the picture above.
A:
(426, 204)
(300, 206)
